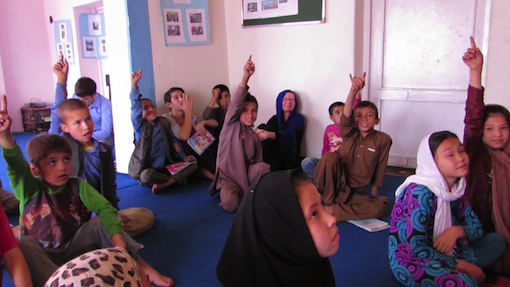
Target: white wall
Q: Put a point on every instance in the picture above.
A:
(497, 60)
(196, 69)
(313, 60)
(25, 55)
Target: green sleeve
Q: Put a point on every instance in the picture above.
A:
(100, 206)
(23, 183)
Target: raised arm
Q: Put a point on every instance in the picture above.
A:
(136, 105)
(187, 107)
(474, 60)
(6, 138)
(61, 69)
(473, 120)
(236, 105)
(357, 85)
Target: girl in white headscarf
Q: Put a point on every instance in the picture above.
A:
(435, 237)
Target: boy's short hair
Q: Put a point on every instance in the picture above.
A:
(222, 88)
(334, 105)
(251, 98)
(70, 105)
(85, 87)
(42, 145)
(368, 104)
(168, 94)
(491, 110)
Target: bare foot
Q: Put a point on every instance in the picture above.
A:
(157, 187)
(155, 277)
(208, 174)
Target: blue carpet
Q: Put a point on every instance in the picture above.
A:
(190, 229)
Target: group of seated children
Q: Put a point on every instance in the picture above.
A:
(55, 206)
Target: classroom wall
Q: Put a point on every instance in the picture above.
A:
(497, 60)
(196, 69)
(25, 53)
(313, 60)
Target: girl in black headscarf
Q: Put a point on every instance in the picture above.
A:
(281, 236)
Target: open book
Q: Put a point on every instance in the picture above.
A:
(370, 224)
(174, 168)
(199, 142)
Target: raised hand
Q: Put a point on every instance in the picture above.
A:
(358, 82)
(216, 93)
(187, 104)
(135, 78)
(200, 127)
(473, 57)
(5, 120)
(249, 68)
(61, 69)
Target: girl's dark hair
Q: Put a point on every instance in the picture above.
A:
(491, 110)
(222, 88)
(298, 178)
(437, 138)
(250, 98)
(168, 96)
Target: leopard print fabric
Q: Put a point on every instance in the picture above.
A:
(101, 267)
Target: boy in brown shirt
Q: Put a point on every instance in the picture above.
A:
(342, 176)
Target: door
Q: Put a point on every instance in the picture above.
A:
(416, 75)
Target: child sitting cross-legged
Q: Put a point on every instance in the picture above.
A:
(240, 162)
(342, 176)
(50, 234)
(92, 160)
(155, 145)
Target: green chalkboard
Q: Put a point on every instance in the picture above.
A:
(308, 11)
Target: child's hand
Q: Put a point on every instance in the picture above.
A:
(471, 269)
(216, 93)
(200, 127)
(189, 158)
(263, 134)
(249, 68)
(61, 69)
(5, 120)
(445, 241)
(135, 78)
(187, 104)
(473, 57)
(358, 82)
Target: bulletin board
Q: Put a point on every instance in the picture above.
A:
(185, 22)
(93, 36)
(308, 11)
(64, 40)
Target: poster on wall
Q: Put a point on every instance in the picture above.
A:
(185, 22)
(259, 9)
(93, 36)
(64, 40)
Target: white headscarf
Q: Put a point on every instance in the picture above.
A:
(429, 175)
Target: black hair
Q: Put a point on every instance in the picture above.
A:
(334, 105)
(368, 104)
(491, 110)
(437, 138)
(222, 88)
(251, 98)
(42, 145)
(299, 177)
(85, 87)
(168, 94)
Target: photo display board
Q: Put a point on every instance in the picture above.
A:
(64, 40)
(93, 36)
(185, 22)
(265, 12)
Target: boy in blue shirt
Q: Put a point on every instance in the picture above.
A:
(155, 145)
(92, 160)
(99, 106)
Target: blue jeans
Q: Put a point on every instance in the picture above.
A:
(308, 165)
(488, 249)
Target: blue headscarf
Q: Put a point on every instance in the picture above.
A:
(287, 129)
